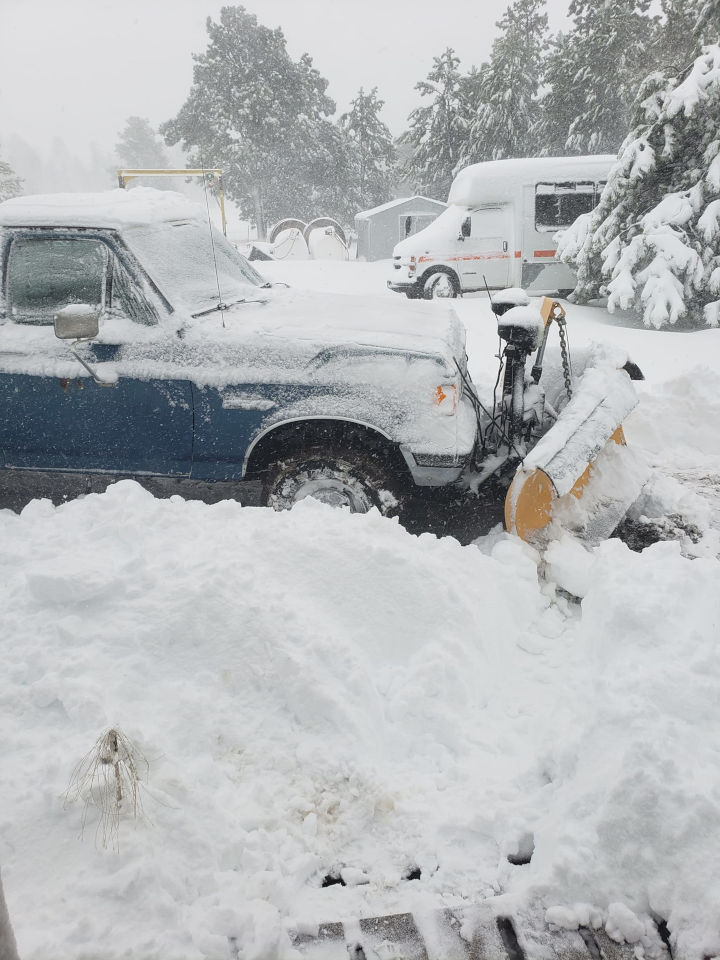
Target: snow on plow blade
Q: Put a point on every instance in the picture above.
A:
(470, 933)
(580, 475)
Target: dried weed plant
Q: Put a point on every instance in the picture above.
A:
(107, 778)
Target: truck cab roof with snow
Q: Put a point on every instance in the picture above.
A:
(110, 208)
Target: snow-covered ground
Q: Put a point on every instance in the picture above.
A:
(323, 694)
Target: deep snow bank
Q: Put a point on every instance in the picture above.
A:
(306, 687)
(635, 808)
(318, 693)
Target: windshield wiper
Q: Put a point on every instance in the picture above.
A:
(225, 306)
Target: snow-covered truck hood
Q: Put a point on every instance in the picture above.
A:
(275, 335)
(324, 325)
(275, 328)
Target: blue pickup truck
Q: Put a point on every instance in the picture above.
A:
(135, 341)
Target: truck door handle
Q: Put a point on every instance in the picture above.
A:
(505, 246)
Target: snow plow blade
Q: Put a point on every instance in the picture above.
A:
(580, 475)
(469, 933)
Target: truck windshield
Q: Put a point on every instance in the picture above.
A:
(180, 258)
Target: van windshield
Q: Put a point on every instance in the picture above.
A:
(442, 227)
(181, 258)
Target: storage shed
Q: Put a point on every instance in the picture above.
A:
(382, 227)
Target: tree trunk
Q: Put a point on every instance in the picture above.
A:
(8, 947)
(259, 212)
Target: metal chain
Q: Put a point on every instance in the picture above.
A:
(565, 354)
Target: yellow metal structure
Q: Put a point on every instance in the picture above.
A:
(534, 490)
(125, 176)
(551, 310)
(529, 501)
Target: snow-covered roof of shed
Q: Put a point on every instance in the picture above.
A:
(366, 214)
(498, 180)
(111, 208)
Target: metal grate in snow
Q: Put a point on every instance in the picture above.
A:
(471, 934)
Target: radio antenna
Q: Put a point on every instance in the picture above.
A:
(221, 306)
(492, 305)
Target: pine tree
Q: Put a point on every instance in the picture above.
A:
(329, 175)
(33, 166)
(138, 146)
(562, 100)
(10, 183)
(707, 27)
(594, 73)
(653, 242)
(261, 117)
(8, 945)
(508, 86)
(676, 44)
(472, 97)
(372, 149)
(438, 130)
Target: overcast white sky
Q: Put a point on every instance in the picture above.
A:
(78, 68)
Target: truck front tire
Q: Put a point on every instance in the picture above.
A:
(337, 479)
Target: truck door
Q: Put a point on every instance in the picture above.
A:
(487, 253)
(55, 416)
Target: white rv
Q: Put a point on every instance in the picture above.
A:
(498, 228)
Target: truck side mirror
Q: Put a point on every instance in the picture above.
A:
(81, 322)
(78, 321)
(464, 229)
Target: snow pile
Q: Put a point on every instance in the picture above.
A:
(635, 793)
(307, 687)
(323, 695)
(671, 424)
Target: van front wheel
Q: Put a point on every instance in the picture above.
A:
(440, 285)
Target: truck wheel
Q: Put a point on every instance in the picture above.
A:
(440, 285)
(340, 480)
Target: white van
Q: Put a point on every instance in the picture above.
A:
(498, 228)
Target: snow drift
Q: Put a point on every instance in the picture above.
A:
(323, 695)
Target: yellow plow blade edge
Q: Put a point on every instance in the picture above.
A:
(530, 499)
(576, 474)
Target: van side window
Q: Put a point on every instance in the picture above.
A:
(558, 205)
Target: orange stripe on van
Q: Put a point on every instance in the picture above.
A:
(454, 259)
(486, 256)
(544, 253)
